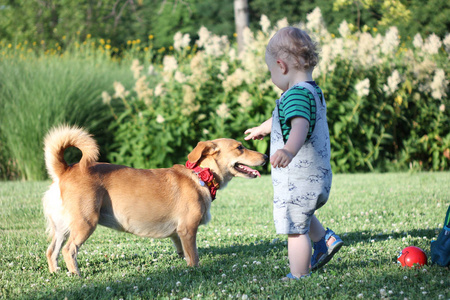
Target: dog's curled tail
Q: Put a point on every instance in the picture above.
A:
(62, 137)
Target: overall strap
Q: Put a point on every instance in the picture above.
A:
(311, 88)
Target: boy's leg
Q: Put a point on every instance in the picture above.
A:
(316, 230)
(299, 253)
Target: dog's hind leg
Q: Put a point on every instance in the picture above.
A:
(80, 232)
(57, 226)
(177, 242)
(58, 238)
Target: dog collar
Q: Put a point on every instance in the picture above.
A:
(206, 177)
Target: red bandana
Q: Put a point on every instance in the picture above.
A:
(206, 177)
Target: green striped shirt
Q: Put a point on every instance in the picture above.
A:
(298, 102)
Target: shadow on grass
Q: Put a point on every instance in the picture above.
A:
(351, 238)
(179, 281)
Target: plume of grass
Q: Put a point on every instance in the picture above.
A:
(38, 93)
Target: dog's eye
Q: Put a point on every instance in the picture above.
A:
(240, 147)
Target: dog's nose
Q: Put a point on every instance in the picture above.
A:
(266, 158)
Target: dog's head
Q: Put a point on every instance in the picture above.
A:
(227, 158)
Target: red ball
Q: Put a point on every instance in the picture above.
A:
(412, 256)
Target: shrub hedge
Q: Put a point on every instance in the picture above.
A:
(388, 106)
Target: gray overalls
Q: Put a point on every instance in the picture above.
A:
(304, 185)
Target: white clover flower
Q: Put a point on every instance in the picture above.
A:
(223, 111)
(170, 64)
(106, 98)
(432, 44)
(392, 83)
(439, 85)
(265, 23)
(418, 41)
(120, 91)
(178, 283)
(362, 88)
(391, 41)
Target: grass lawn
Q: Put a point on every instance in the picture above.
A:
(241, 257)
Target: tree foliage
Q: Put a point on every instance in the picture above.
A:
(67, 21)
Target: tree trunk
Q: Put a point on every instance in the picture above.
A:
(241, 19)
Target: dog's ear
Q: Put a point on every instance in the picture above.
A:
(202, 149)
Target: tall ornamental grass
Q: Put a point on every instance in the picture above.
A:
(388, 106)
(38, 92)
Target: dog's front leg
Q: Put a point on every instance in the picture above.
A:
(177, 242)
(188, 236)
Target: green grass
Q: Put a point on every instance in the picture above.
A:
(377, 215)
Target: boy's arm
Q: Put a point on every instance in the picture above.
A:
(297, 137)
(258, 133)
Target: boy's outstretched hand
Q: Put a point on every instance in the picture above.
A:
(258, 133)
(254, 133)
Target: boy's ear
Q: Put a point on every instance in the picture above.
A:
(283, 66)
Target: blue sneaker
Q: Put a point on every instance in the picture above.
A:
(323, 253)
(292, 277)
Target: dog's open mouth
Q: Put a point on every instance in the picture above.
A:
(249, 172)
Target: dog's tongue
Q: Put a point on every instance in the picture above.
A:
(250, 170)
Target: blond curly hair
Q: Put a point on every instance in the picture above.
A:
(295, 46)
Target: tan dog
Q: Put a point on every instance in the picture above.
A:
(157, 203)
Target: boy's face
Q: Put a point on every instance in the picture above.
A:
(276, 72)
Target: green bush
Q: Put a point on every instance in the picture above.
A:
(387, 104)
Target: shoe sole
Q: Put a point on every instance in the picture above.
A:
(326, 259)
